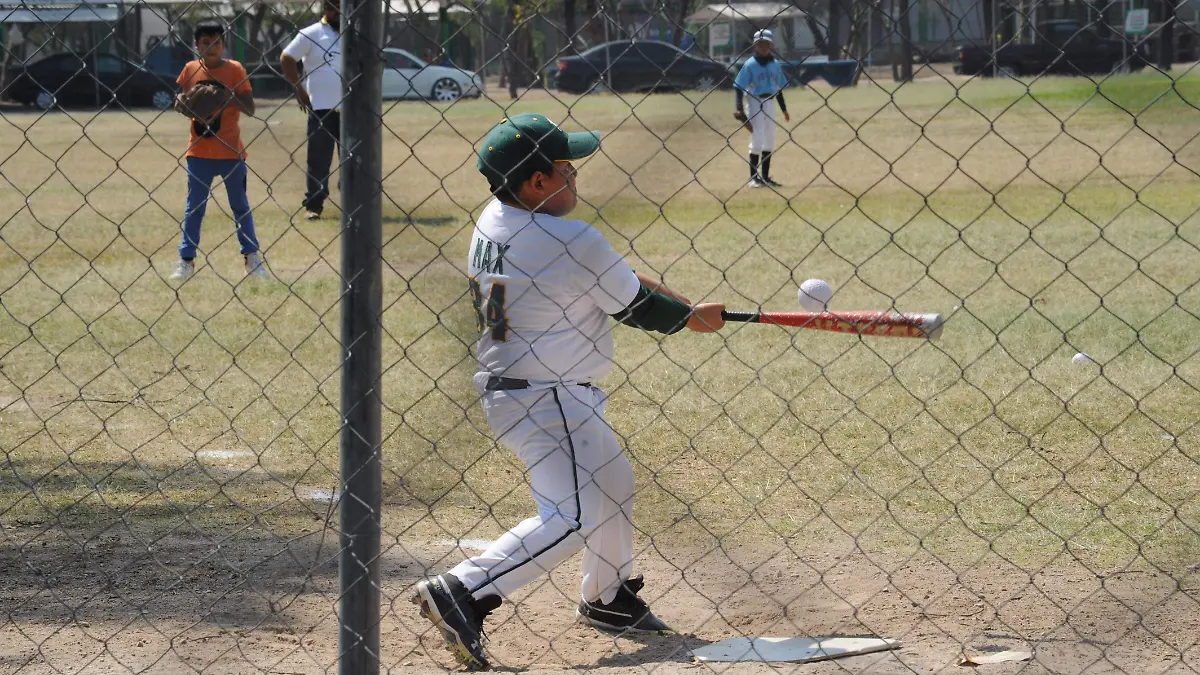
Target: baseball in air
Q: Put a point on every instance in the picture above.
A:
(814, 295)
(1081, 358)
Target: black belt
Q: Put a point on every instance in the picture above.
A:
(495, 383)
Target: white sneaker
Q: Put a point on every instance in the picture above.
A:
(183, 270)
(255, 266)
(756, 183)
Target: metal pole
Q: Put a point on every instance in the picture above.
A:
(1124, 35)
(995, 38)
(362, 303)
(607, 50)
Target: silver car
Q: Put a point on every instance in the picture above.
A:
(406, 76)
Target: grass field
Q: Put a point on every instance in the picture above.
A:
(1041, 219)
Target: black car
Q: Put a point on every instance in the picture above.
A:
(1062, 48)
(838, 73)
(637, 65)
(97, 80)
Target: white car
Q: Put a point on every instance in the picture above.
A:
(406, 76)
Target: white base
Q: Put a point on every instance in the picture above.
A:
(791, 649)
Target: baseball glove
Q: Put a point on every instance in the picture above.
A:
(204, 101)
(741, 117)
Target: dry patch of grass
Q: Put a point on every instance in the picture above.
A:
(1037, 217)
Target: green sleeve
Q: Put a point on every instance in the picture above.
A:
(652, 311)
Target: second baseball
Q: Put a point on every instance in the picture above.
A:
(814, 295)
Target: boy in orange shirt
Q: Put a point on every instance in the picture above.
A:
(216, 149)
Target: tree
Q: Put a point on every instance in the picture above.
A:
(519, 60)
(1166, 35)
(679, 21)
(387, 22)
(819, 39)
(569, 24)
(272, 24)
(988, 7)
(594, 26)
(257, 14)
(906, 48)
(833, 44)
(417, 20)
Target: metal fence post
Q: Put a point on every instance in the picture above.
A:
(361, 171)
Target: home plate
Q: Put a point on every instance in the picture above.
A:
(791, 649)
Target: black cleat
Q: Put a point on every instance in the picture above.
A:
(446, 602)
(626, 612)
(769, 182)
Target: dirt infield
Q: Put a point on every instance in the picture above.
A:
(187, 606)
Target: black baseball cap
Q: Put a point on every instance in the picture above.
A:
(521, 145)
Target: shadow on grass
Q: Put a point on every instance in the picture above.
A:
(427, 221)
(114, 541)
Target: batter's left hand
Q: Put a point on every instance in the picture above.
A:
(706, 318)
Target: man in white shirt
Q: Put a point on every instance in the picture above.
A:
(318, 47)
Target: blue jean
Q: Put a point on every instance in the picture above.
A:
(201, 173)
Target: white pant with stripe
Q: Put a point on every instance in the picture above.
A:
(582, 484)
(762, 124)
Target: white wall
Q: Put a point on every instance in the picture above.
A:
(154, 25)
(802, 37)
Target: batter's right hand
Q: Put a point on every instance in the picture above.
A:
(303, 99)
(706, 318)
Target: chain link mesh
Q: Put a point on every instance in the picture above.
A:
(169, 478)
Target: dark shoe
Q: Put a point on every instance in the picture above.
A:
(771, 183)
(626, 612)
(446, 602)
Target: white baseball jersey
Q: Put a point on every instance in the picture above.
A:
(544, 289)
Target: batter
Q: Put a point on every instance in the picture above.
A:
(761, 80)
(544, 289)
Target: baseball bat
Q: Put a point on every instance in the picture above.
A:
(885, 324)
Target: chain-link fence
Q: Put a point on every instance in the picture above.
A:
(171, 479)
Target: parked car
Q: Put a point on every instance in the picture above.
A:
(1062, 48)
(839, 73)
(637, 65)
(101, 80)
(406, 76)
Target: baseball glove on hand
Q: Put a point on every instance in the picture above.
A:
(741, 117)
(203, 101)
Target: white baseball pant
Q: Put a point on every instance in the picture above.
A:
(762, 124)
(582, 484)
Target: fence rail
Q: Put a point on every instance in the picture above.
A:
(243, 469)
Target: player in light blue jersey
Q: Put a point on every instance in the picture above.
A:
(761, 81)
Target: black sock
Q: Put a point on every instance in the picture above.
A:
(766, 166)
(753, 166)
